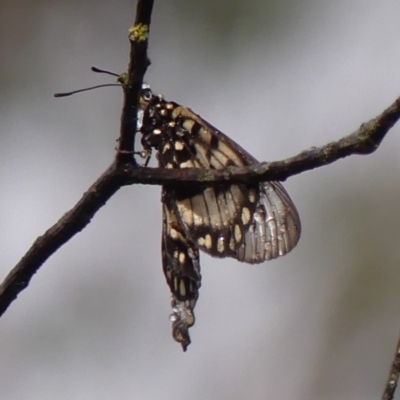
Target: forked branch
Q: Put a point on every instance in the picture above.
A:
(124, 171)
(363, 141)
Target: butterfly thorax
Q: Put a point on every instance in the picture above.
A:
(160, 130)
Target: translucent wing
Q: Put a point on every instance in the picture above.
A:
(251, 223)
(222, 222)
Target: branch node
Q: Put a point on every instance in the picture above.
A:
(139, 33)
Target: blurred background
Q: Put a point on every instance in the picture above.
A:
(277, 76)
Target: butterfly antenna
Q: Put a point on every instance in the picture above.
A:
(94, 69)
(103, 71)
(84, 90)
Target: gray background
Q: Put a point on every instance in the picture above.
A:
(278, 77)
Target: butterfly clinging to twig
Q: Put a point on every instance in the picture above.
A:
(249, 222)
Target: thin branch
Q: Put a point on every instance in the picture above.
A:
(68, 226)
(364, 141)
(393, 380)
(124, 171)
(132, 81)
(97, 195)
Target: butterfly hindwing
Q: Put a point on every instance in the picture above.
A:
(251, 223)
(215, 218)
(181, 266)
(180, 256)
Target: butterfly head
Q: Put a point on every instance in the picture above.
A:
(148, 103)
(145, 95)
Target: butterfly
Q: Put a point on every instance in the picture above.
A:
(249, 222)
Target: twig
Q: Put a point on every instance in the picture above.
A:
(68, 226)
(133, 79)
(97, 195)
(124, 171)
(364, 141)
(391, 384)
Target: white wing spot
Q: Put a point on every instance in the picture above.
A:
(246, 215)
(205, 134)
(221, 244)
(238, 233)
(179, 145)
(252, 196)
(173, 233)
(232, 244)
(201, 241)
(197, 219)
(187, 164)
(188, 124)
(166, 147)
(169, 165)
(182, 288)
(182, 258)
(208, 242)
